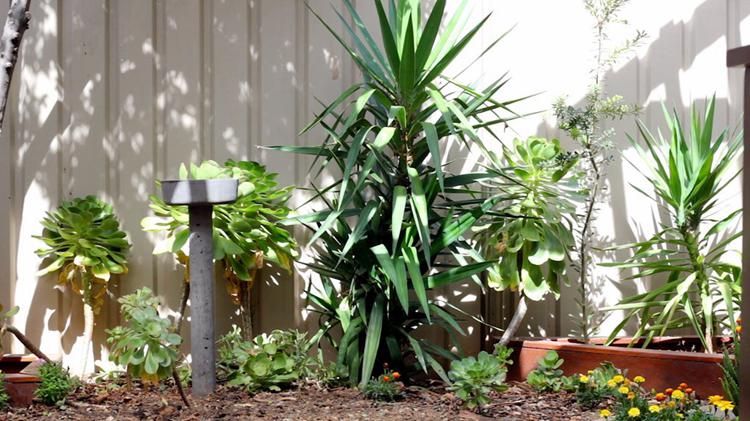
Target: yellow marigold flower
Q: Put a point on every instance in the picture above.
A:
(605, 413)
(715, 398)
(678, 394)
(639, 379)
(624, 390)
(611, 383)
(725, 405)
(671, 404)
(654, 409)
(679, 415)
(618, 378)
(634, 412)
(583, 379)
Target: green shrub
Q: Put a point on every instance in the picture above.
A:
(593, 388)
(4, 398)
(474, 378)
(56, 384)
(388, 227)
(548, 377)
(268, 362)
(687, 171)
(384, 387)
(147, 346)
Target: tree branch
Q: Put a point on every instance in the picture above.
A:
(10, 42)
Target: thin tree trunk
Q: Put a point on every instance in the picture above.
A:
(183, 305)
(246, 312)
(27, 343)
(515, 322)
(178, 383)
(15, 25)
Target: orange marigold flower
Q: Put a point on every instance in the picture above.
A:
(689, 390)
(660, 397)
(396, 375)
(386, 378)
(683, 386)
(738, 329)
(669, 391)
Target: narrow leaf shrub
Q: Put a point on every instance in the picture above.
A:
(56, 384)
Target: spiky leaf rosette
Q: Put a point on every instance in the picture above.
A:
(83, 240)
(246, 233)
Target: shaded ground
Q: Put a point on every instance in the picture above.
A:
(97, 402)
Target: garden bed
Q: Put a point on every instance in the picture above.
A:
(309, 403)
(669, 363)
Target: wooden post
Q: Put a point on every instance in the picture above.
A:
(740, 57)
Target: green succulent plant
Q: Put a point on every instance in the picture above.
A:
(548, 377)
(146, 346)
(247, 233)
(474, 378)
(268, 362)
(83, 241)
(56, 384)
(529, 236)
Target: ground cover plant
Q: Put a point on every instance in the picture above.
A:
(146, 345)
(56, 384)
(687, 171)
(247, 233)
(385, 228)
(472, 379)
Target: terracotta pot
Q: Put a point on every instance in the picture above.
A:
(20, 379)
(662, 367)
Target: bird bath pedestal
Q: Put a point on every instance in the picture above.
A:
(200, 196)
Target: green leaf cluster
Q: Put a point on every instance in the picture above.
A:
(147, 345)
(730, 382)
(82, 238)
(391, 228)
(548, 377)
(268, 362)
(687, 171)
(474, 378)
(246, 233)
(4, 398)
(56, 384)
(529, 237)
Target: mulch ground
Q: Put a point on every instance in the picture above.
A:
(308, 403)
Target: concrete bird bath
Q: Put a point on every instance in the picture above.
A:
(200, 196)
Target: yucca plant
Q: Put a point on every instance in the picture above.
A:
(83, 241)
(387, 229)
(247, 234)
(687, 172)
(529, 235)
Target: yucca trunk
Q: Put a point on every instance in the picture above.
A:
(696, 261)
